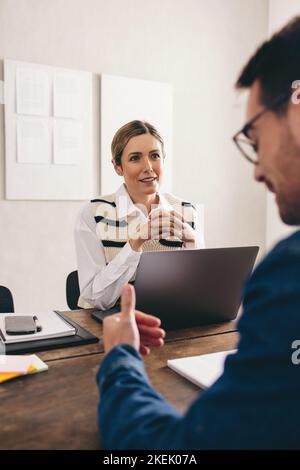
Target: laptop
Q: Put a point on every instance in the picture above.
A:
(188, 288)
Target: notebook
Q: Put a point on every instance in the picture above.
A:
(53, 326)
(16, 366)
(81, 338)
(202, 370)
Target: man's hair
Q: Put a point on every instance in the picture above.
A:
(276, 64)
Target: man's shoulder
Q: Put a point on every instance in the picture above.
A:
(285, 253)
(291, 243)
(280, 269)
(271, 297)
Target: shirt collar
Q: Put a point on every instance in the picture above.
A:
(125, 206)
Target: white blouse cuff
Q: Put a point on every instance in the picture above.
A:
(129, 255)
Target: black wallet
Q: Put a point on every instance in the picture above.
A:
(21, 325)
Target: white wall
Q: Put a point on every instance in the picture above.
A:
(280, 12)
(199, 46)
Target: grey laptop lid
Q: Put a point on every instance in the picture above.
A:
(186, 288)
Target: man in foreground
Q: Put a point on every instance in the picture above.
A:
(255, 403)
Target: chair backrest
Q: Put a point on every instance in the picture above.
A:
(72, 290)
(6, 300)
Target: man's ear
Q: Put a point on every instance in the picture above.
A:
(293, 117)
(118, 168)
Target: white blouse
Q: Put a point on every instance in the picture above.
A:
(101, 284)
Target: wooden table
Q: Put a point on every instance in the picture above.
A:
(57, 409)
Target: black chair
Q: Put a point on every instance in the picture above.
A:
(6, 300)
(72, 290)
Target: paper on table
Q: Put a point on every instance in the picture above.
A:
(18, 364)
(53, 326)
(36, 365)
(9, 375)
(202, 370)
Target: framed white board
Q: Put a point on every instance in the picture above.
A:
(125, 99)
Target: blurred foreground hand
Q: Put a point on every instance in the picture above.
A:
(131, 326)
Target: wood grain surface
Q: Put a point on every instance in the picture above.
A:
(57, 409)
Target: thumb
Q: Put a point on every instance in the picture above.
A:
(128, 301)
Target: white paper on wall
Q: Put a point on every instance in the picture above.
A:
(67, 141)
(33, 140)
(33, 91)
(67, 95)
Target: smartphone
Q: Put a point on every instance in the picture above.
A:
(20, 325)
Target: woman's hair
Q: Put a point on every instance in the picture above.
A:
(129, 130)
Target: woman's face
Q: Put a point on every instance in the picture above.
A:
(141, 165)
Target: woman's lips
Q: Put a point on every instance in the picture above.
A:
(148, 180)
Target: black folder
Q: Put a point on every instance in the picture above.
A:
(81, 337)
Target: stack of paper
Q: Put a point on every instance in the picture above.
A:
(52, 324)
(202, 370)
(15, 366)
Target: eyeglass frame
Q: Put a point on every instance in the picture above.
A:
(244, 131)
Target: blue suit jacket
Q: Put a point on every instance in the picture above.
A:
(255, 403)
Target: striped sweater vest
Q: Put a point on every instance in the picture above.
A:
(114, 232)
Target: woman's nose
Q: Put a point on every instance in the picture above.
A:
(148, 165)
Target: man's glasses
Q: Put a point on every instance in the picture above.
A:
(248, 147)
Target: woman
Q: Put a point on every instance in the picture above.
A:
(113, 230)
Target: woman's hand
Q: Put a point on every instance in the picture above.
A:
(163, 224)
(132, 327)
(189, 237)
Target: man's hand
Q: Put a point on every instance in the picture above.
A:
(132, 327)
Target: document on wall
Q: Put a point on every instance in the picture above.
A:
(67, 141)
(33, 93)
(33, 140)
(201, 370)
(68, 92)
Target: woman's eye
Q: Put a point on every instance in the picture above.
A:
(134, 158)
(155, 155)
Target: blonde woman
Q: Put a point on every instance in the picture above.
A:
(113, 230)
